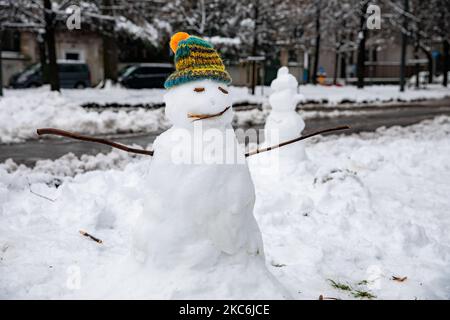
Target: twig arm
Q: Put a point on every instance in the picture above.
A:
(251, 153)
(113, 144)
(77, 136)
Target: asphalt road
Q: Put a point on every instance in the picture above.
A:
(406, 114)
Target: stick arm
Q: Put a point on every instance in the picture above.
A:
(77, 136)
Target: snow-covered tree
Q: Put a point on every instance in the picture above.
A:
(427, 23)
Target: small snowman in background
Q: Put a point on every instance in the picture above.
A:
(283, 122)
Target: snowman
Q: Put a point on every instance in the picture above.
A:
(196, 236)
(282, 168)
(283, 122)
(198, 217)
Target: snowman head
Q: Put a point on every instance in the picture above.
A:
(186, 102)
(284, 91)
(199, 86)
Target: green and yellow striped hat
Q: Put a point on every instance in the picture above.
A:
(195, 59)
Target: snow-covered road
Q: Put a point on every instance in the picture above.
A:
(368, 207)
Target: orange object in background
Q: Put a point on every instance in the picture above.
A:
(321, 79)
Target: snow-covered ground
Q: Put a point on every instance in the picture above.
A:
(22, 114)
(377, 94)
(367, 208)
(327, 95)
(121, 96)
(23, 111)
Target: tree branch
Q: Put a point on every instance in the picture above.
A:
(76, 136)
(295, 140)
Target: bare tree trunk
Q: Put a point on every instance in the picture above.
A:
(317, 50)
(309, 68)
(343, 67)
(50, 41)
(255, 45)
(336, 66)
(43, 58)
(110, 51)
(203, 20)
(362, 35)
(446, 62)
(417, 66)
(404, 46)
(1, 63)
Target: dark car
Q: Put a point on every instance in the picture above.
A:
(145, 75)
(72, 74)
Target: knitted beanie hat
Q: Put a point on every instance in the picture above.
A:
(195, 59)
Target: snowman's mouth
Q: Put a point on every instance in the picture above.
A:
(197, 117)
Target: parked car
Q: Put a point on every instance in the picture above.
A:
(145, 75)
(72, 74)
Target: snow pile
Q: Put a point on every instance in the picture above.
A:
(326, 95)
(22, 111)
(334, 95)
(20, 116)
(117, 95)
(378, 207)
(70, 165)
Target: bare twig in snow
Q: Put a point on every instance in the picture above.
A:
(37, 194)
(84, 233)
(399, 279)
(321, 297)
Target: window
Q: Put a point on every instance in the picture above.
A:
(10, 40)
(72, 68)
(143, 70)
(72, 56)
(161, 70)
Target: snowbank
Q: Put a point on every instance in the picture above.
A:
(21, 115)
(377, 206)
(22, 111)
(332, 96)
(325, 95)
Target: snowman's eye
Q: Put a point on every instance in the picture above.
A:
(223, 90)
(199, 89)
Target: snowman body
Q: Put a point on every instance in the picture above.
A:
(283, 122)
(198, 198)
(198, 218)
(201, 194)
(196, 236)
